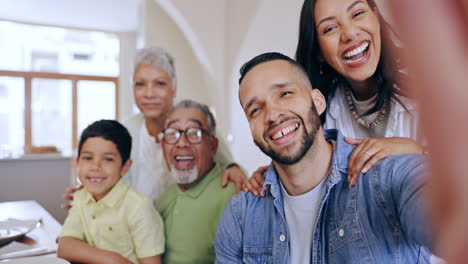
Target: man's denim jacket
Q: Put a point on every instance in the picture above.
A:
(380, 220)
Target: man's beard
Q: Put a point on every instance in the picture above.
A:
(308, 138)
(184, 176)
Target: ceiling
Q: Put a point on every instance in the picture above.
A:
(107, 15)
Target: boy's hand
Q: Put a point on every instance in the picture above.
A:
(68, 196)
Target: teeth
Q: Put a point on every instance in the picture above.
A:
(184, 158)
(96, 179)
(357, 50)
(285, 131)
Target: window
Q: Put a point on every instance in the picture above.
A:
(53, 83)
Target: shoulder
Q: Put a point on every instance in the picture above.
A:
(403, 104)
(400, 171)
(215, 187)
(165, 199)
(135, 200)
(403, 162)
(79, 197)
(246, 204)
(134, 123)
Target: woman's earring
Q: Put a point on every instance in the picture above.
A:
(321, 68)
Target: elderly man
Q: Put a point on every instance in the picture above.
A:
(309, 214)
(191, 208)
(154, 91)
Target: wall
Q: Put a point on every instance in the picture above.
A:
(274, 27)
(44, 180)
(161, 30)
(211, 39)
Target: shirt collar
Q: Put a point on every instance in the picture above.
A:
(341, 153)
(116, 194)
(198, 188)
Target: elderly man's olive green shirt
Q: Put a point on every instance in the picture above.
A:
(191, 217)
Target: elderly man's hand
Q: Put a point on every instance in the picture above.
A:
(235, 175)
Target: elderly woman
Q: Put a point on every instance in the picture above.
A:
(154, 88)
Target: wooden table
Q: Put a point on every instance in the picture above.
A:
(45, 235)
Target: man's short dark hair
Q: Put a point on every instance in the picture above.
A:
(269, 56)
(109, 130)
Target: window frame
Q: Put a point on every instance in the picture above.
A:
(28, 76)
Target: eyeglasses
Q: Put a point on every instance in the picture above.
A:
(193, 135)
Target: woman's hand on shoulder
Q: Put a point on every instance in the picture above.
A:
(255, 183)
(369, 151)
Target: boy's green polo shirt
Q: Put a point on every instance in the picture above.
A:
(191, 217)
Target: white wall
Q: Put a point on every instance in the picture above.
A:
(161, 30)
(218, 37)
(273, 28)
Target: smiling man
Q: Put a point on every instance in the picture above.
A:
(192, 207)
(309, 214)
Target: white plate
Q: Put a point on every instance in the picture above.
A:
(12, 229)
(36, 260)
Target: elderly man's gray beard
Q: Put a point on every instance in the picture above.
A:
(184, 176)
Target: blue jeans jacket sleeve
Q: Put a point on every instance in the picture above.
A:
(228, 243)
(403, 195)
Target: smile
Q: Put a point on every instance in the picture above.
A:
(184, 162)
(285, 131)
(95, 180)
(184, 158)
(356, 54)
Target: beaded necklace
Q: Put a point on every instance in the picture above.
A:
(359, 120)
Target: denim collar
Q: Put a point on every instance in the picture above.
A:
(341, 153)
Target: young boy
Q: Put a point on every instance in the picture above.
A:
(109, 221)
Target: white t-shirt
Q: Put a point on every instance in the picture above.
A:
(153, 175)
(301, 216)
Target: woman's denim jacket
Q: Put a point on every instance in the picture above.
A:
(380, 220)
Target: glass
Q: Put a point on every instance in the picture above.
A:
(11, 116)
(52, 113)
(55, 49)
(96, 101)
(193, 135)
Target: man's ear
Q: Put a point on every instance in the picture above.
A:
(214, 145)
(126, 167)
(319, 100)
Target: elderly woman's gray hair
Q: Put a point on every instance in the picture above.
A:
(157, 57)
(203, 108)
